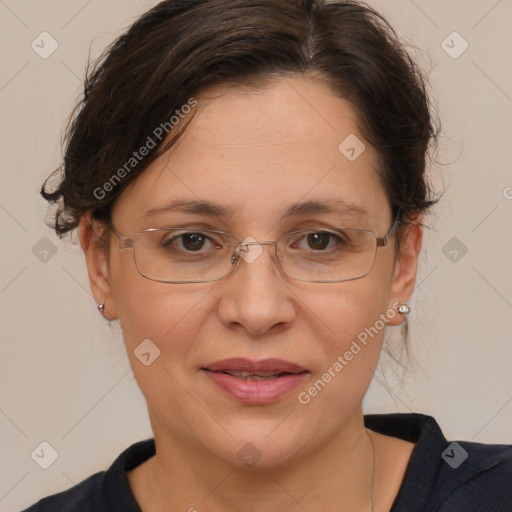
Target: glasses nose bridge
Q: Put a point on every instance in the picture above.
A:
(242, 245)
(126, 243)
(266, 242)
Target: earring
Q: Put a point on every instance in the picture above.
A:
(101, 307)
(403, 309)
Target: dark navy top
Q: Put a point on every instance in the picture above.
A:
(441, 476)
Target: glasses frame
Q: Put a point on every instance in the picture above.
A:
(128, 242)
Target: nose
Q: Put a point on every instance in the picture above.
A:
(256, 296)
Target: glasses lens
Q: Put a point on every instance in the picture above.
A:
(337, 255)
(185, 255)
(181, 255)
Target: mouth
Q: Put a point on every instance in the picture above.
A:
(256, 382)
(247, 376)
(238, 366)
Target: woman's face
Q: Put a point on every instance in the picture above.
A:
(256, 153)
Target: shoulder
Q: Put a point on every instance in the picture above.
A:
(447, 476)
(106, 491)
(84, 497)
(475, 476)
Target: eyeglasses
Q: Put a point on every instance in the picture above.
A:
(187, 255)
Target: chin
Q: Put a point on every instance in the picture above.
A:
(254, 448)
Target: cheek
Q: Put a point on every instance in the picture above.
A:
(350, 325)
(349, 309)
(346, 348)
(171, 318)
(167, 314)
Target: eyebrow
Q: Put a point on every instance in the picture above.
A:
(336, 206)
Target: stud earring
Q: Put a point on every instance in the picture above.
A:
(101, 308)
(403, 309)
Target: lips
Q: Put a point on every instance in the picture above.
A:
(243, 368)
(248, 376)
(256, 382)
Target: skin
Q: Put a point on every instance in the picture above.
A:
(257, 151)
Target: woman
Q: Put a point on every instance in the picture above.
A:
(248, 180)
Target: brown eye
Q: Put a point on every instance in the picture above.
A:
(193, 241)
(318, 241)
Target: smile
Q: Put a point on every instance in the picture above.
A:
(255, 382)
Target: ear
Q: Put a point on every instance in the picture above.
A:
(406, 266)
(96, 258)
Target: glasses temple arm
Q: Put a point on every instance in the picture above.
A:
(394, 228)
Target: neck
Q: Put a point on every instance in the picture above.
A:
(335, 477)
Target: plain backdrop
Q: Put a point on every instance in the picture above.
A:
(64, 374)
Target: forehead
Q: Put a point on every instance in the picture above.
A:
(257, 151)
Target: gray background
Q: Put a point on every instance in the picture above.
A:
(64, 374)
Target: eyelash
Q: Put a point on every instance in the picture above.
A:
(339, 238)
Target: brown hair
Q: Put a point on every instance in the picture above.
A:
(148, 74)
